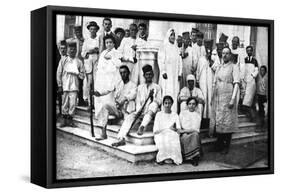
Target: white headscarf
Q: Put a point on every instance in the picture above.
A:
(168, 34)
(190, 77)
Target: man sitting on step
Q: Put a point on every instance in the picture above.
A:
(125, 93)
(147, 105)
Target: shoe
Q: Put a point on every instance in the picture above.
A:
(118, 143)
(71, 123)
(194, 163)
(100, 138)
(159, 163)
(62, 124)
(140, 130)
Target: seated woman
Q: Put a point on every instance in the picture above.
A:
(166, 136)
(190, 141)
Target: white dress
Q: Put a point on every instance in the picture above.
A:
(107, 76)
(167, 141)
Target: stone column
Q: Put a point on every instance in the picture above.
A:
(148, 53)
(60, 27)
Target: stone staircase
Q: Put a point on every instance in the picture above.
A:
(142, 148)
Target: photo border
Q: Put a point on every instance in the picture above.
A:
(49, 126)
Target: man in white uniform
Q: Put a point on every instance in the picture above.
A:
(147, 104)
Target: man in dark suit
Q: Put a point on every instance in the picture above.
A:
(107, 25)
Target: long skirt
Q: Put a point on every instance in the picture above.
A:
(168, 144)
(190, 145)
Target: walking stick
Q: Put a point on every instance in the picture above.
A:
(140, 111)
(91, 108)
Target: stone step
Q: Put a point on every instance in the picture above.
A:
(243, 118)
(84, 111)
(136, 153)
(112, 131)
(147, 138)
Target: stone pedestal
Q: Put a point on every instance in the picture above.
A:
(147, 56)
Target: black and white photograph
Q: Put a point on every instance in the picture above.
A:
(142, 97)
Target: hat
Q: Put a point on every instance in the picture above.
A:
(186, 35)
(76, 28)
(209, 43)
(62, 42)
(119, 30)
(147, 68)
(93, 23)
(223, 38)
(220, 44)
(72, 44)
(190, 77)
(194, 30)
(200, 35)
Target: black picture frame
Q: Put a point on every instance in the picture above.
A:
(43, 92)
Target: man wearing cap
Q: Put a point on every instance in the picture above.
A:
(204, 77)
(127, 50)
(186, 58)
(90, 54)
(125, 92)
(69, 71)
(191, 91)
(107, 25)
(148, 101)
(79, 40)
(119, 33)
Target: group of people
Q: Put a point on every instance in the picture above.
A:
(196, 82)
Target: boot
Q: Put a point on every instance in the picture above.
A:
(119, 143)
(70, 122)
(219, 143)
(63, 121)
(140, 130)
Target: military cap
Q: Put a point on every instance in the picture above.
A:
(147, 68)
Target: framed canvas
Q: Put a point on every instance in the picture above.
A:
(127, 96)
